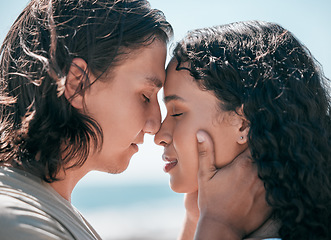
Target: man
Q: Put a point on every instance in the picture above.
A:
(79, 83)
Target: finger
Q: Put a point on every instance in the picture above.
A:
(243, 162)
(245, 172)
(206, 155)
(245, 157)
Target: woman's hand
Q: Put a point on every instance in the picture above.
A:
(231, 199)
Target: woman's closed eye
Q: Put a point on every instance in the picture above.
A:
(176, 115)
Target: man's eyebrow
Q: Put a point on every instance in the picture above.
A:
(154, 81)
(173, 97)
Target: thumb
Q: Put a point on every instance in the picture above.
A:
(206, 155)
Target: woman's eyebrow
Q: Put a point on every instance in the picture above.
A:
(173, 97)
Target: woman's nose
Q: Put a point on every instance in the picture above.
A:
(163, 136)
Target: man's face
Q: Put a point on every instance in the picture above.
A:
(126, 106)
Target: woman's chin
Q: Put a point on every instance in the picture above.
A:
(182, 188)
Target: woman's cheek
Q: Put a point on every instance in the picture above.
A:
(186, 141)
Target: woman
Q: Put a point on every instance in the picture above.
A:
(252, 85)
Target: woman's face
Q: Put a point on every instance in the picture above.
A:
(188, 110)
(126, 106)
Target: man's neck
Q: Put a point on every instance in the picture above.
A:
(67, 181)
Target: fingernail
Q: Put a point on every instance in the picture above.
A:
(200, 137)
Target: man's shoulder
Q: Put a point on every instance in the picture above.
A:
(28, 204)
(17, 210)
(21, 220)
(23, 213)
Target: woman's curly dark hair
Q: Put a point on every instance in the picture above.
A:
(40, 131)
(285, 98)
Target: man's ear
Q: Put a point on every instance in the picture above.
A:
(244, 127)
(74, 82)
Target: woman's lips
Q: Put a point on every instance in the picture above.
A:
(170, 163)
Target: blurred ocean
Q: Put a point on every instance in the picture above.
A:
(131, 211)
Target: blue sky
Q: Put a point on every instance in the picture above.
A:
(310, 21)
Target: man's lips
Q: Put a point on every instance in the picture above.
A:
(135, 145)
(170, 163)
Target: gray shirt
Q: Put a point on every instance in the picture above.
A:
(30, 209)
